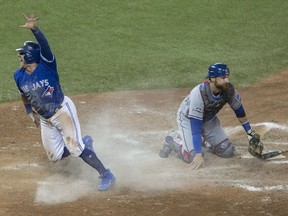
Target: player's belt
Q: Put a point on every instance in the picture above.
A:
(53, 113)
(57, 109)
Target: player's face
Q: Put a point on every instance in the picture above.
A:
(21, 58)
(222, 83)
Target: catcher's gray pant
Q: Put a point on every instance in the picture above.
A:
(213, 134)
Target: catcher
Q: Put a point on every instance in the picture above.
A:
(199, 125)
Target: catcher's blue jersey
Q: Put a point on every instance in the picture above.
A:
(42, 87)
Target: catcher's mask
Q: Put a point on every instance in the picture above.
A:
(218, 70)
(31, 52)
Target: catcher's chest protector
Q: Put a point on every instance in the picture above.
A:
(215, 103)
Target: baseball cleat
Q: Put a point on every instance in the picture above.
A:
(107, 181)
(165, 152)
(170, 141)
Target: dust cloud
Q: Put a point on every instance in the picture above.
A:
(127, 139)
(131, 155)
(133, 159)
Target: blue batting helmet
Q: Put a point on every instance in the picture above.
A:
(31, 51)
(218, 70)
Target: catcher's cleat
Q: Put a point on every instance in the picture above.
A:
(165, 152)
(171, 143)
(107, 181)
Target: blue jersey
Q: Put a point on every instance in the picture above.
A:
(42, 87)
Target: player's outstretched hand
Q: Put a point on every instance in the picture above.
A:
(31, 21)
(197, 162)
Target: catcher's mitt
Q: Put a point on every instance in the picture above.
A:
(255, 147)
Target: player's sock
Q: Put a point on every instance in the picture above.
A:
(66, 153)
(90, 158)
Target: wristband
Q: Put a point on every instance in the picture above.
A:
(246, 126)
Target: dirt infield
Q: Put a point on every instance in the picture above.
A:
(128, 129)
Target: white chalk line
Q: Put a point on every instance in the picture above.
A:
(20, 166)
(268, 126)
(223, 167)
(280, 162)
(265, 188)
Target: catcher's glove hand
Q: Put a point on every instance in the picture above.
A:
(255, 147)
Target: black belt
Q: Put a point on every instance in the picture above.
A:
(55, 111)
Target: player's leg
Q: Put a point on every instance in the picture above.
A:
(90, 157)
(53, 142)
(217, 139)
(180, 142)
(67, 121)
(173, 141)
(186, 150)
(170, 143)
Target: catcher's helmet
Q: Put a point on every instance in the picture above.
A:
(31, 51)
(218, 70)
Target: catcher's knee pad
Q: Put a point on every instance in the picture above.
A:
(224, 149)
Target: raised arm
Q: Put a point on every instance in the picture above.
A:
(31, 23)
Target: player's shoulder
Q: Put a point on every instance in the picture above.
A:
(19, 72)
(195, 91)
(203, 84)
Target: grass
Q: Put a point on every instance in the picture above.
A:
(122, 45)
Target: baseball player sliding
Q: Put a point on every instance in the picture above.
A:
(198, 124)
(37, 80)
